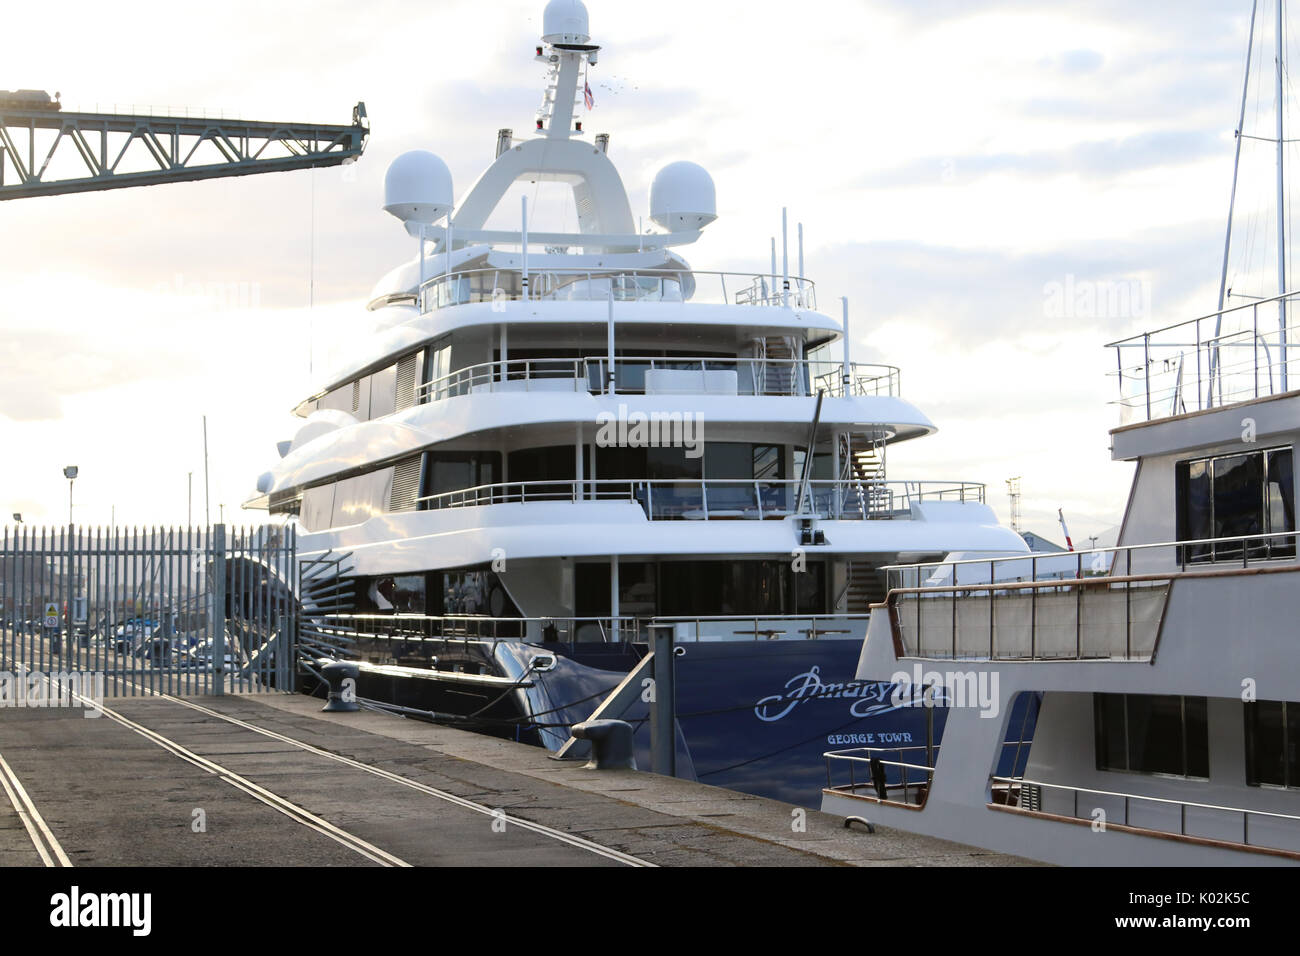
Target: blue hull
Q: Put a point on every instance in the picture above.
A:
(753, 716)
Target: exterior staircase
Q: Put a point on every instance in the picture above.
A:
(865, 468)
(865, 588)
(780, 371)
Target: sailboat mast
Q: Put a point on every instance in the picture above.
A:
(1281, 209)
(1232, 204)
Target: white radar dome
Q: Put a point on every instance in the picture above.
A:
(417, 188)
(682, 197)
(565, 21)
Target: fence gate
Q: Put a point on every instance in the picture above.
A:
(141, 610)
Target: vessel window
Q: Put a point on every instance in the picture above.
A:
(362, 497)
(339, 399)
(823, 468)
(317, 507)
(1149, 733)
(688, 588)
(398, 594)
(553, 463)
(455, 471)
(383, 392)
(1236, 496)
(476, 592)
(768, 462)
(1273, 743)
(439, 363)
(637, 589)
(739, 587)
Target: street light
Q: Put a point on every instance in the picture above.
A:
(70, 473)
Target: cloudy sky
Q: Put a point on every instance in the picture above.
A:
(953, 162)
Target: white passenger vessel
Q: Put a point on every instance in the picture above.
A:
(557, 440)
(1166, 669)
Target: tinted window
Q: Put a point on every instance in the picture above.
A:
(1148, 733)
(1237, 496)
(1273, 743)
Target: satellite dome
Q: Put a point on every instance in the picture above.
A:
(417, 188)
(565, 21)
(682, 197)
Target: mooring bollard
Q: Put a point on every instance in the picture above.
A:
(611, 744)
(341, 677)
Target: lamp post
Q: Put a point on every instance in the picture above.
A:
(70, 473)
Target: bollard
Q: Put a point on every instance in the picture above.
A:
(341, 698)
(611, 744)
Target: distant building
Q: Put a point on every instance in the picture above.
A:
(1037, 543)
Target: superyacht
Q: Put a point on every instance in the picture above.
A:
(557, 441)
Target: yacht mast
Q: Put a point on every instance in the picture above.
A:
(1281, 217)
(1232, 203)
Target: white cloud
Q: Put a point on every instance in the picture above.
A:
(1058, 141)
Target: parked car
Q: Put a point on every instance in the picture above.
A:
(200, 657)
(131, 635)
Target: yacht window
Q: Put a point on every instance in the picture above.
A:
(317, 507)
(383, 392)
(673, 463)
(456, 471)
(1148, 733)
(1272, 744)
(476, 593)
(397, 594)
(767, 463)
(1236, 496)
(729, 460)
(439, 367)
(339, 399)
(553, 463)
(823, 468)
(362, 497)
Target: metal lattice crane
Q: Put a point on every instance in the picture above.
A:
(113, 146)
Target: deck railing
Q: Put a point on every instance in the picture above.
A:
(334, 632)
(626, 285)
(710, 499)
(1181, 818)
(655, 375)
(1100, 604)
(885, 780)
(1233, 355)
(341, 630)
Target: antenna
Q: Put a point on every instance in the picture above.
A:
(1013, 492)
(1281, 211)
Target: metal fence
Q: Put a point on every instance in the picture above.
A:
(137, 610)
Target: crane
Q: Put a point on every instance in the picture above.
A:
(113, 147)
